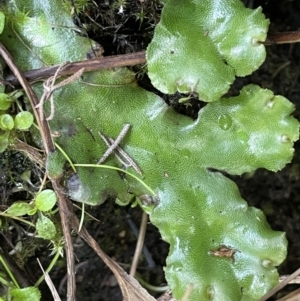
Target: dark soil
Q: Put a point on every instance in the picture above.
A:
(277, 194)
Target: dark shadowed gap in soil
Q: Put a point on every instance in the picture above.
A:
(276, 194)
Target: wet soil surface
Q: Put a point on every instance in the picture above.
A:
(277, 194)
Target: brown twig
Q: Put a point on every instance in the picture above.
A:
(50, 284)
(43, 124)
(108, 144)
(287, 37)
(131, 289)
(146, 252)
(34, 154)
(50, 87)
(63, 202)
(140, 244)
(129, 59)
(65, 211)
(108, 62)
(295, 280)
(293, 296)
(279, 286)
(120, 154)
(115, 144)
(64, 279)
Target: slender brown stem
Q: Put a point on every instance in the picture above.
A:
(43, 124)
(65, 211)
(33, 153)
(108, 62)
(293, 296)
(131, 289)
(49, 147)
(115, 144)
(140, 244)
(279, 286)
(129, 59)
(283, 38)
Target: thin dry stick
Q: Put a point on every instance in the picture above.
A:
(147, 254)
(120, 152)
(116, 143)
(279, 286)
(65, 82)
(129, 59)
(127, 157)
(49, 88)
(131, 289)
(287, 37)
(35, 155)
(63, 281)
(43, 125)
(108, 144)
(293, 296)
(295, 280)
(65, 210)
(49, 147)
(50, 283)
(108, 62)
(139, 245)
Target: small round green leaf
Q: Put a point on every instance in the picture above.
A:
(45, 227)
(45, 200)
(30, 293)
(23, 121)
(5, 101)
(6, 122)
(18, 209)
